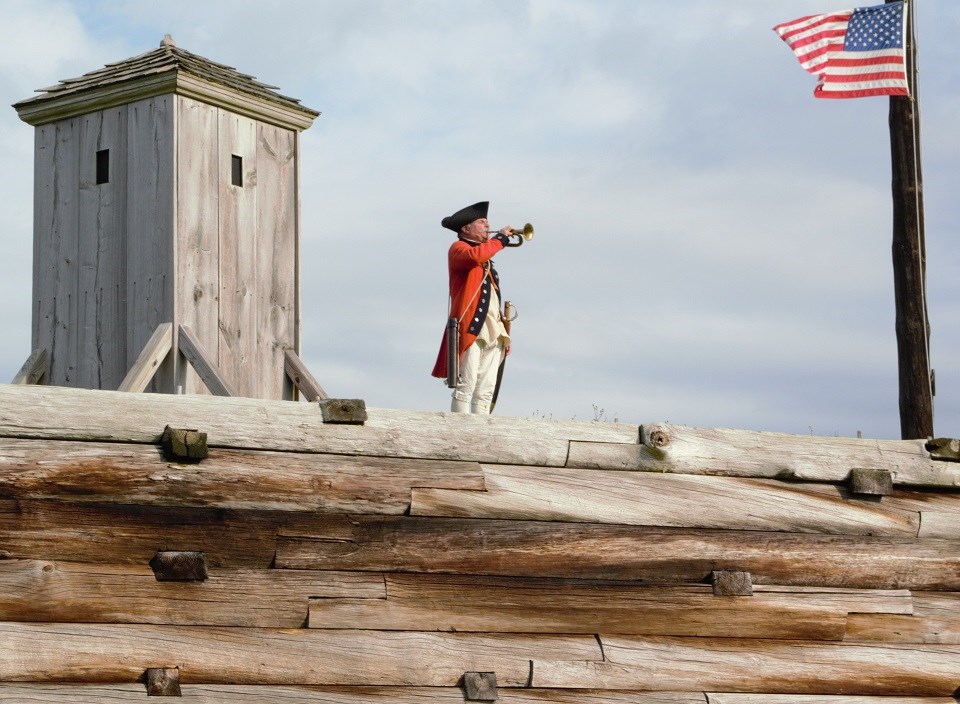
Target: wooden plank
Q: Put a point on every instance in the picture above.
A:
(641, 498)
(820, 699)
(298, 373)
(939, 512)
(203, 364)
(780, 667)
(102, 354)
(47, 181)
(88, 472)
(43, 590)
(263, 694)
(683, 450)
(936, 619)
(452, 603)
(82, 414)
(275, 294)
(149, 360)
(95, 653)
(594, 551)
(63, 256)
(237, 136)
(198, 239)
(53, 530)
(34, 369)
(150, 222)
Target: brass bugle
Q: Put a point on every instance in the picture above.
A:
(522, 235)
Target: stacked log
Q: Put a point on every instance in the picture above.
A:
(434, 557)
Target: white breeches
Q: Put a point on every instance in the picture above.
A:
(478, 378)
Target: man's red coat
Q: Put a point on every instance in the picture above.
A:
(470, 281)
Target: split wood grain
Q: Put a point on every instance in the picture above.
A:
(124, 473)
(110, 416)
(820, 699)
(483, 604)
(264, 694)
(683, 450)
(673, 500)
(39, 590)
(936, 619)
(116, 534)
(782, 667)
(594, 551)
(939, 511)
(96, 653)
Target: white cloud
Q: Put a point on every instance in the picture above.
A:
(713, 244)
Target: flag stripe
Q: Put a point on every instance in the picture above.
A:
(855, 53)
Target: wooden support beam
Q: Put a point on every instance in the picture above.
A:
(781, 667)
(125, 474)
(294, 368)
(71, 592)
(480, 686)
(422, 602)
(25, 693)
(163, 681)
(871, 482)
(205, 366)
(96, 653)
(149, 359)
(35, 369)
(935, 619)
(716, 698)
(676, 500)
(591, 551)
(344, 411)
(183, 445)
(682, 450)
(82, 414)
(179, 566)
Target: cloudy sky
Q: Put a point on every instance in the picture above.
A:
(712, 243)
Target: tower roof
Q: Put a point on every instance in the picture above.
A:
(164, 70)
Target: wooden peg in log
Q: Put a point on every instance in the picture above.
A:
(731, 583)
(480, 686)
(944, 449)
(179, 566)
(163, 682)
(871, 482)
(348, 411)
(183, 445)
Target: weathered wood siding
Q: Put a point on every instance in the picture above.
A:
(198, 231)
(151, 201)
(103, 253)
(166, 239)
(236, 282)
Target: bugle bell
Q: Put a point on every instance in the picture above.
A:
(523, 235)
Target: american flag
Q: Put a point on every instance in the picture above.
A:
(856, 53)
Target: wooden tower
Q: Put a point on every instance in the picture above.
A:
(166, 228)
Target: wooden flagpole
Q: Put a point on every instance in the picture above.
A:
(909, 253)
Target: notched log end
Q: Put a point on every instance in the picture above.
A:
(480, 686)
(162, 681)
(348, 411)
(871, 482)
(944, 449)
(179, 566)
(730, 583)
(654, 441)
(183, 445)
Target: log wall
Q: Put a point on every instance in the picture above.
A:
(384, 562)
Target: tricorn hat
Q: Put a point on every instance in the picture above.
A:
(465, 216)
